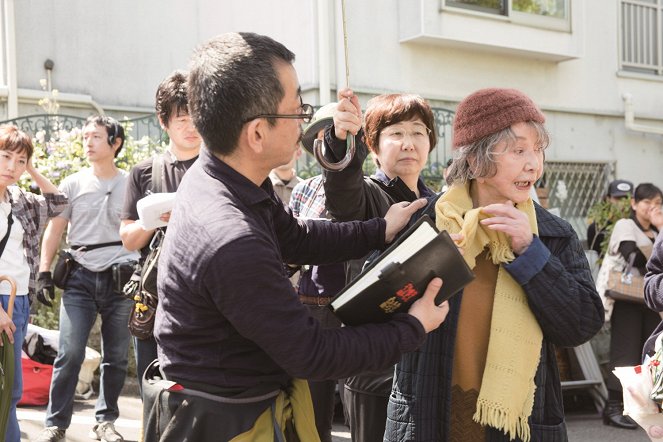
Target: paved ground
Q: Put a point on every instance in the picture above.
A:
(584, 425)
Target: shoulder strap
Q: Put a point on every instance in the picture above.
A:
(157, 174)
(10, 221)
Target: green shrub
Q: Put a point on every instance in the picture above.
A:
(605, 214)
(63, 155)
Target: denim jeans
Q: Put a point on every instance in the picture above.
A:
(87, 294)
(145, 351)
(20, 319)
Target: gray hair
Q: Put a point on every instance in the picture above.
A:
(483, 155)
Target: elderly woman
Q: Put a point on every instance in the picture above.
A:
(399, 131)
(490, 373)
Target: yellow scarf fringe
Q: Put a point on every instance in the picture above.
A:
(507, 389)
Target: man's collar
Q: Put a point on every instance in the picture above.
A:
(277, 180)
(172, 158)
(240, 185)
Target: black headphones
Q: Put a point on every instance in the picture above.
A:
(111, 137)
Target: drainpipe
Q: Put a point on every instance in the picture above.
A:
(323, 52)
(629, 118)
(10, 50)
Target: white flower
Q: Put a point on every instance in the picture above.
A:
(39, 136)
(561, 192)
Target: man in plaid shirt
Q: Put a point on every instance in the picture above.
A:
(308, 199)
(318, 284)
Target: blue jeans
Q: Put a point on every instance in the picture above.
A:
(145, 351)
(20, 319)
(87, 294)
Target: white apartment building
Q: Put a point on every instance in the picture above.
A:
(578, 59)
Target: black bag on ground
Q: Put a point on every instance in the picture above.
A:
(63, 268)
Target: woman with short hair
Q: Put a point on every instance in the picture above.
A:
(489, 373)
(23, 216)
(399, 132)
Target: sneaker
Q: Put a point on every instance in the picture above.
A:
(51, 434)
(105, 432)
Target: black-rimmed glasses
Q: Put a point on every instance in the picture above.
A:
(305, 115)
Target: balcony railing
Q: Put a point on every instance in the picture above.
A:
(573, 187)
(147, 125)
(641, 36)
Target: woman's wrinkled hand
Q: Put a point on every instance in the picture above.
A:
(457, 238)
(507, 219)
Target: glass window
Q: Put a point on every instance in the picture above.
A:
(548, 8)
(490, 6)
(641, 35)
(552, 14)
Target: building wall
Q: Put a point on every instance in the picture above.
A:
(581, 96)
(118, 51)
(115, 53)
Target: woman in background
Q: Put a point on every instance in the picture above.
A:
(399, 131)
(630, 323)
(23, 216)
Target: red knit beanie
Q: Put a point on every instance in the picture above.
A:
(488, 111)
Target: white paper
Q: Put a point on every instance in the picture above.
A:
(151, 207)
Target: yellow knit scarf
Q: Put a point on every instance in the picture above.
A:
(507, 389)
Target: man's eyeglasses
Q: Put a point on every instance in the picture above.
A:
(306, 113)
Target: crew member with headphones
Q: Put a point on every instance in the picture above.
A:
(96, 195)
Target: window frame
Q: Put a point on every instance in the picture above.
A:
(516, 17)
(634, 68)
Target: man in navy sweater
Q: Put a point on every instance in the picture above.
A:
(232, 332)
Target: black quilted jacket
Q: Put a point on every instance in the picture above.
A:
(352, 196)
(563, 298)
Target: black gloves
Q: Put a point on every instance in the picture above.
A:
(45, 288)
(291, 269)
